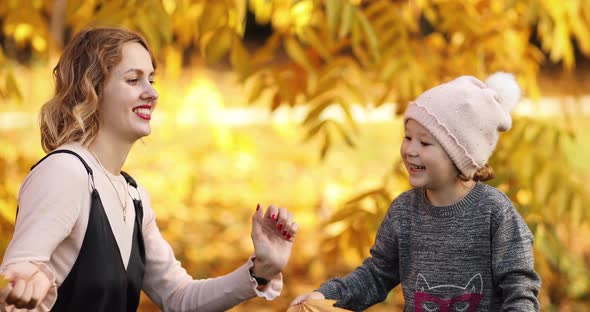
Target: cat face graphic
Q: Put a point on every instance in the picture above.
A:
(448, 298)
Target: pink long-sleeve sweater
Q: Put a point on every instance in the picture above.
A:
(54, 205)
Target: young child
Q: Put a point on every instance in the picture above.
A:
(454, 243)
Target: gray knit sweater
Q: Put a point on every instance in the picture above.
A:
(475, 255)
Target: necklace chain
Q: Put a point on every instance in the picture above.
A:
(123, 202)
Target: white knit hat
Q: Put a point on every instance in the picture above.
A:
(465, 115)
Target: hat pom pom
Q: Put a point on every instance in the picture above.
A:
(506, 87)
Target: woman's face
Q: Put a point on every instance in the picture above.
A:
(129, 98)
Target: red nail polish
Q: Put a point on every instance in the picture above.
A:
(289, 236)
(284, 233)
(273, 216)
(280, 226)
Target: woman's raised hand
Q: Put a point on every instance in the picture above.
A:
(273, 233)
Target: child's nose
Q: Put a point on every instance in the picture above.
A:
(412, 150)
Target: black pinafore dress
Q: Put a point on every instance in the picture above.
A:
(98, 280)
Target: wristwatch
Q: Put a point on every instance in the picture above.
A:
(261, 281)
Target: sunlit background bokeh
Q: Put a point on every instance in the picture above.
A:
(298, 103)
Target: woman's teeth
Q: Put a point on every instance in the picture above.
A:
(417, 167)
(143, 111)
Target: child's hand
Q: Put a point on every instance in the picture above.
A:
(27, 287)
(311, 295)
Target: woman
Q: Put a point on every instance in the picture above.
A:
(86, 237)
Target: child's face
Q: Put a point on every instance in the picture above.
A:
(427, 162)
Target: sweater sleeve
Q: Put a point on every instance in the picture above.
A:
(170, 287)
(513, 262)
(369, 283)
(49, 204)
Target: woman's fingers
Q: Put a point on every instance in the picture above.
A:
(284, 223)
(24, 302)
(283, 216)
(41, 287)
(25, 293)
(272, 213)
(18, 290)
(4, 292)
(294, 228)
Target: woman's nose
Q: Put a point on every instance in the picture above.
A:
(150, 92)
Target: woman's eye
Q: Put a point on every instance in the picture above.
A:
(133, 81)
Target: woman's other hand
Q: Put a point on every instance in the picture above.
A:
(272, 234)
(312, 295)
(27, 288)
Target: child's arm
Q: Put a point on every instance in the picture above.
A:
(513, 263)
(369, 283)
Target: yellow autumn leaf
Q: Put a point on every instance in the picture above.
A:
(213, 16)
(240, 58)
(216, 44)
(333, 9)
(315, 305)
(297, 53)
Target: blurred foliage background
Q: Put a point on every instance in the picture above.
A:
(298, 103)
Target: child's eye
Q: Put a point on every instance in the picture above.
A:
(425, 144)
(407, 138)
(152, 82)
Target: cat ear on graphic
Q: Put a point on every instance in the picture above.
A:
(421, 283)
(475, 284)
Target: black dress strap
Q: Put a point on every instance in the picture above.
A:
(129, 179)
(64, 151)
(88, 169)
